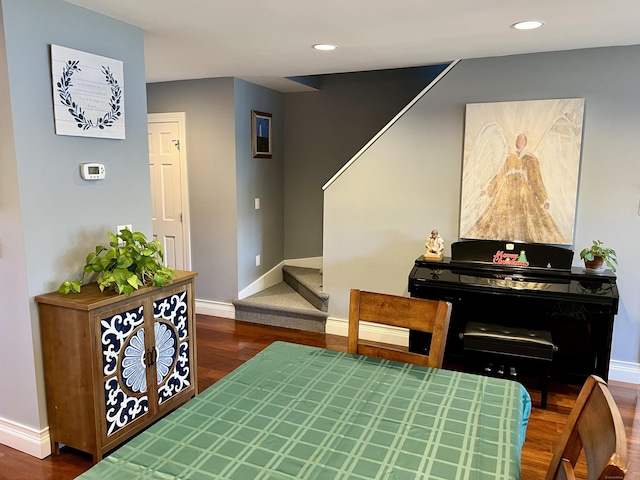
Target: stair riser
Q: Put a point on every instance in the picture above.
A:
(321, 303)
(281, 319)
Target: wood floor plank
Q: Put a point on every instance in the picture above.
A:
(225, 344)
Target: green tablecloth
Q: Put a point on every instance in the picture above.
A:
(298, 412)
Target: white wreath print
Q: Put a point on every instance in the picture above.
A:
(76, 111)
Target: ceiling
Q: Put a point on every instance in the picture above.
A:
(266, 41)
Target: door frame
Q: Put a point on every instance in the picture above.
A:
(180, 118)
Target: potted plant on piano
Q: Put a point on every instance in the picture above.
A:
(598, 255)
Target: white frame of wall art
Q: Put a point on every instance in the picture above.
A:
(88, 94)
(520, 170)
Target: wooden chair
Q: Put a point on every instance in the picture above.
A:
(429, 316)
(595, 427)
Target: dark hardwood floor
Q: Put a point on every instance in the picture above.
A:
(225, 344)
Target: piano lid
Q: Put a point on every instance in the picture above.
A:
(517, 255)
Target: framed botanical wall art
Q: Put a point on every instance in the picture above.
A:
(520, 170)
(261, 134)
(88, 94)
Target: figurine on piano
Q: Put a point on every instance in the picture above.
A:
(435, 246)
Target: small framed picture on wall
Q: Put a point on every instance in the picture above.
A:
(261, 134)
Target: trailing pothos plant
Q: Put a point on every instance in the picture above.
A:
(126, 264)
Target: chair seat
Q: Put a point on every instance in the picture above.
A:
(491, 338)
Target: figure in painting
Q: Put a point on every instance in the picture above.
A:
(520, 170)
(435, 246)
(519, 204)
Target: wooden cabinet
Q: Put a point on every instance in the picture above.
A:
(115, 364)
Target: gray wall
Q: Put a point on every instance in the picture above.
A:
(211, 162)
(50, 218)
(260, 232)
(380, 211)
(224, 179)
(324, 129)
(315, 133)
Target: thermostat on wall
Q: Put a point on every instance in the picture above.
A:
(92, 171)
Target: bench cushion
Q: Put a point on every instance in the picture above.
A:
(492, 338)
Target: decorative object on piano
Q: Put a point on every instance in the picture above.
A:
(129, 263)
(598, 255)
(516, 259)
(435, 246)
(520, 170)
(516, 255)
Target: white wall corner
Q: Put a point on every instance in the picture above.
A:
(624, 372)
(215, 309)
(27, 440)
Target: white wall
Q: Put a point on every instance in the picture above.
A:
(378, 214)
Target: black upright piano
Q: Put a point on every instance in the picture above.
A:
(526, 285)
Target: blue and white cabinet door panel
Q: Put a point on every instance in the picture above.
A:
(173, 345)
(125, 367)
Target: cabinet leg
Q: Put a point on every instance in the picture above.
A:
(55, 448)
(97, 456)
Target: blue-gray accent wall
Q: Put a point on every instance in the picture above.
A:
(49, 217)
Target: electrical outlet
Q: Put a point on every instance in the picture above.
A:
(122, 227)
(257, 260)
(119, 228)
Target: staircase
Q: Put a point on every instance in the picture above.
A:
(297, 302)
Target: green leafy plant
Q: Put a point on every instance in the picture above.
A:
(608, 255)
(128, 263)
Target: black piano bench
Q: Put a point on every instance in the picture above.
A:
(508, 347)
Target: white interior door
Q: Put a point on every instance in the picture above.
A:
(167, 164)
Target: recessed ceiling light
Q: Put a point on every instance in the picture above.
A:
(324, 46)
(528, 25)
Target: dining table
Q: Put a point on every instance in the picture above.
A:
(300, 412)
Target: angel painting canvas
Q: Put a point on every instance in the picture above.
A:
(520, 170)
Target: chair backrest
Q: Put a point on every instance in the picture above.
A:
(594, 426)
(430, 316)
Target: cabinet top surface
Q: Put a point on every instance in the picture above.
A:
(91, 297)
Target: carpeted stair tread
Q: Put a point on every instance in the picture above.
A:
(309, 277)
(308, 283)
(297, 302)
(281, 297)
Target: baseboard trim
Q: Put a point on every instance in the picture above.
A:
(269, 279)
(624, 372)
(27, 440)
(369, 331)
(215, 309)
